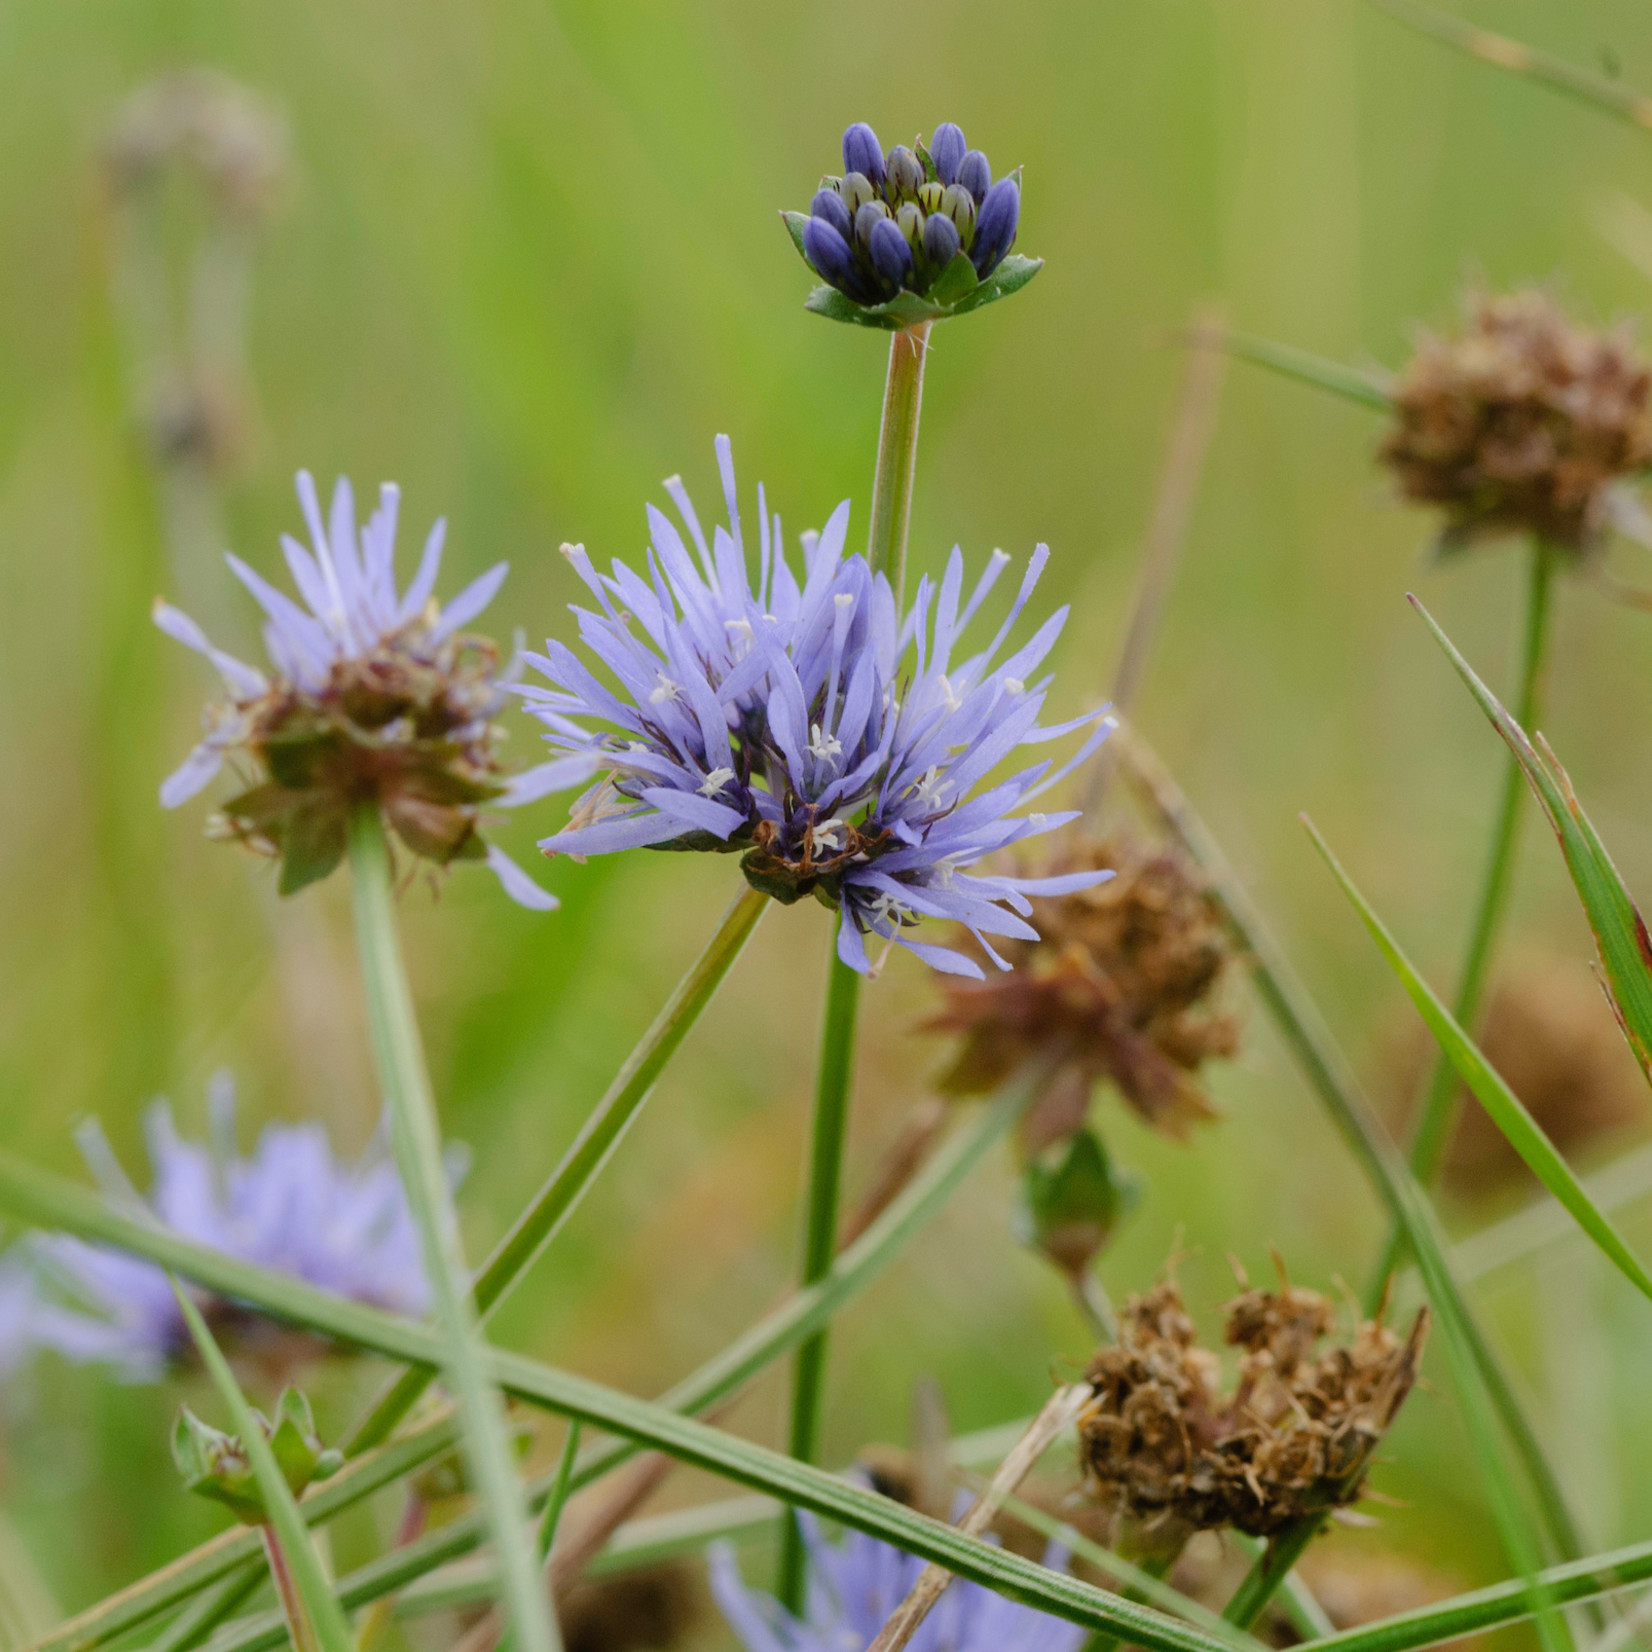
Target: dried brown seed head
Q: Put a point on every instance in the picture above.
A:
(1520, 423)
(1166, 1453)
(1123, 979)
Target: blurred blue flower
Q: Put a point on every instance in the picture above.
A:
(374, 694)
(856, 1584)
(291, 1207)
(805, 724)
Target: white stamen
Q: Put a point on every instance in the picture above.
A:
(952, 700)
(664, 689)
(715, 782)
(843, 599)
(931, 789)
(1014, 685)
(829, 833)
(823, 747)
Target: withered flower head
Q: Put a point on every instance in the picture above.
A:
(375, 697)
(1122, 978)
(1167, 1453)
(234, 141)
(1520, 423)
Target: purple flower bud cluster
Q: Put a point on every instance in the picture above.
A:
(292, 1207)
(895, 221)
(856, 1584)
(836, 744)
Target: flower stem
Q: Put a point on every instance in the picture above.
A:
(286, 1593)
(831, 1119)
(1269, 1571)
(534, 1229)
(399, 1056)
(897, 455)
(1440, 1104)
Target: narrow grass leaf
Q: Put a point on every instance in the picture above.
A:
(1520, 1539)
(1620, 931)
(326, 1616)
(1301, 365)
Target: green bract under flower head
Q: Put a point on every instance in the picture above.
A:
(913, 236)
(217, 1465)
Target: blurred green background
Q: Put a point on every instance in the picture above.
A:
(528, 264)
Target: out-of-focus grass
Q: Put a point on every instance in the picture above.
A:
(530, 266)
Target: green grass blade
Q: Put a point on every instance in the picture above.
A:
(647, 1424)
(49, 1201)
(1302, 365)
(1520, 1540)
(560, 1487)
(1619, 930)
(1515, 57)
(326, 1617)
(1332, 1079)
(1504, 1108)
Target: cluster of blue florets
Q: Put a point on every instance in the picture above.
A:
(896, 221)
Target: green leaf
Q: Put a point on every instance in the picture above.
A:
(1502, 1106)
(312, 841)
(908, 309)
(794, 222)
(957, 279)
(1072, 1199)
(1303, 366)
(1012, 274)
(326, 1616)
(1620, 931)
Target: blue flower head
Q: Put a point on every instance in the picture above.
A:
(856, 1584)
(291, 1206)
(911, 236)
(375, 695)
(845, 751)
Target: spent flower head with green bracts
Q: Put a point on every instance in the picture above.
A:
(805, 724)
(217, 1465)
(376, 695)
(912, 236)
(291, 1206)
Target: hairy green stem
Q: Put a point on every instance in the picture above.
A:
(1328, 1073)
(592, 1148)
(833, 1075)
(903, 393)
(1440, 1106)
(399, 1057)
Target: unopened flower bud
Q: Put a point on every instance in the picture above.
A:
(867, 219)
(940, 240)
(975, 174)
(828, 251)
(959, 205)
(863, 153)
(829, 208)
(995, 229)
(946, 149)
(930, 196)
(891, 256)
(909, 219)
(855, 190)
(217, 1465)
(906, 173)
